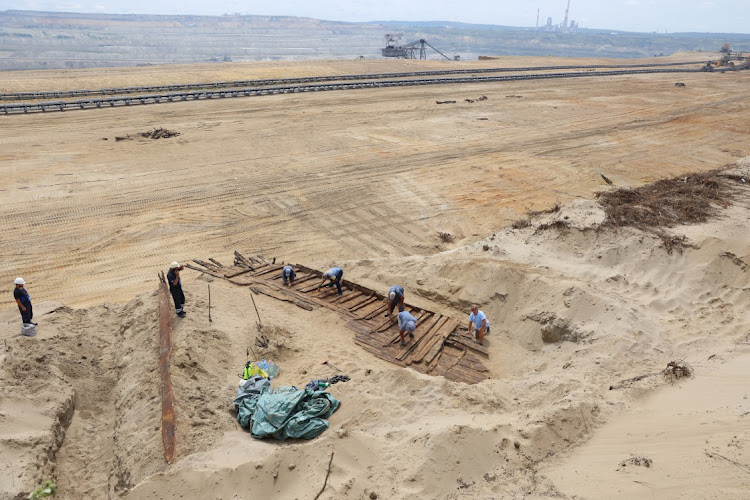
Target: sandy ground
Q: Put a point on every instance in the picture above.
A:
(340, 175)
(368, 179)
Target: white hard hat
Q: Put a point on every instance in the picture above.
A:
(19, 281)
(174, 265)
(392, 295)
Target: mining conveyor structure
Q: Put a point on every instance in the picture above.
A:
(393, 48)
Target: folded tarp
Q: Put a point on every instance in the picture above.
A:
(251, 388)
(287, 412)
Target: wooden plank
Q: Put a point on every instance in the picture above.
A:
(237, 273)
(422, 344)
(239, 257)
(359, 328)
(376, 312)
(207, 265)
(216, 262)
(298, 282)
(168, 418)
(206, 271)
(369, 301)
(454, 351)
(387, 322)
(460, 374)
(345, 297)
(282, 297)
(268, 270)
(453, 360)
(369, 341)
(470, 343)
(348, 305)
(260, 269)
(352, 285)
(439, 336)
(308, 289)
(310, 270)
(375, 307)
(436, 349)
(473, 363)
(468, 373)
(368, 348)
(425, 335)
(431, 366)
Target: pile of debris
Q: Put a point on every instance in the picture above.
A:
(668, 202)
(157, 133)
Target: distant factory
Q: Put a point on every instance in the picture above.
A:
(565, 27)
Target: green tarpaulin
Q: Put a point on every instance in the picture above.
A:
(287, 412)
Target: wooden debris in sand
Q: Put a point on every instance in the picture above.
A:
(438, 347)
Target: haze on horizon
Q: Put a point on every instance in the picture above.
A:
(715, 16)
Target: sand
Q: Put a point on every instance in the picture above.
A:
(368, 180)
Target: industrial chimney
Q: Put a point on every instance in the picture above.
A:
(565, 21)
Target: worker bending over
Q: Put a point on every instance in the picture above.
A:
(175, 288)
(395, 296)
(481, 324)
(406, 324)
(334, 275)
(288, 275)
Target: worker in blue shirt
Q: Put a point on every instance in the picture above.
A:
(288, 275)
(24, 302)
(175, 288)
(395, 296)
(406, 324)
(334, 275)
(480, 322)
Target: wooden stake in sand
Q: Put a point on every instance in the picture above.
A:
(209, 303)
(325, 483)
(260, 323)
(261, 341)
(168, 426)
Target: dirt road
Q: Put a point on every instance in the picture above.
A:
(332, 176)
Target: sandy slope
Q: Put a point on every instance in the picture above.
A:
(575, 311)
(696, 435)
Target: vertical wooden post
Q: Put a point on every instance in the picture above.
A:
(209, 303)
(168, 425)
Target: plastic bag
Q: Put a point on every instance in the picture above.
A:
(271, 368)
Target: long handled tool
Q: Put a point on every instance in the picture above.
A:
(260, 323)
(331, 365)
(209, 303)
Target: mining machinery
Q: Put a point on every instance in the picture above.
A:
(413, 50)
(727, 61)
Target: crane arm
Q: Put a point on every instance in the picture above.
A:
(436, 50)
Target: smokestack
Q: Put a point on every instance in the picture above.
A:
(537, 18)
(565, 21)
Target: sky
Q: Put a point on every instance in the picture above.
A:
(627, 15)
